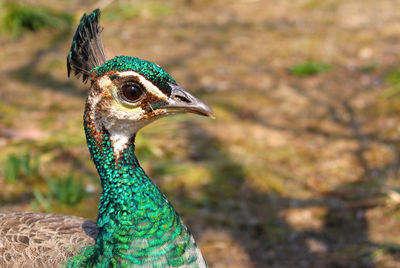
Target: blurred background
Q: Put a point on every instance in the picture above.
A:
(301, 166)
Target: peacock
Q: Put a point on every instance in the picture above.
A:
(136, 224)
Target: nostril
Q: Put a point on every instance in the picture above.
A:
(182, 98)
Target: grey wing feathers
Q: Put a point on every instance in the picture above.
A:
(42, 240)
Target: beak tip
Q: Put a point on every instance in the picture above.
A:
(205, 110)
(211, 114)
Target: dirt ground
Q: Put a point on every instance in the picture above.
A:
(294, 172)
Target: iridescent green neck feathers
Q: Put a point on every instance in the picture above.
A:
(137, 225)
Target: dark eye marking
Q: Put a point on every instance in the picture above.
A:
(131, 91)
(114, 76)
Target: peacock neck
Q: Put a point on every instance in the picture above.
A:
(137, 225)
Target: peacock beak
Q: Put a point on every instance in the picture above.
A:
(182, 101)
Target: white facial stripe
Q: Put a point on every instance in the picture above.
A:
(149, 86)
(94, 99)
(106, 83)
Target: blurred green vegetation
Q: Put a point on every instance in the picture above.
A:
(20, 167)
(17, 19)
(392, 79)
(24, 169)
(66, 191)
(368, 68)
(309, 68)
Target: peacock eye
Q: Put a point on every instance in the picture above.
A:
(131, 92)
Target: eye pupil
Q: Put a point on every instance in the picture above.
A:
(131, 92)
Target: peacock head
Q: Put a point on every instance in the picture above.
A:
(127, 93)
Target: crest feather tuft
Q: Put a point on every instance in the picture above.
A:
(87, 50)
